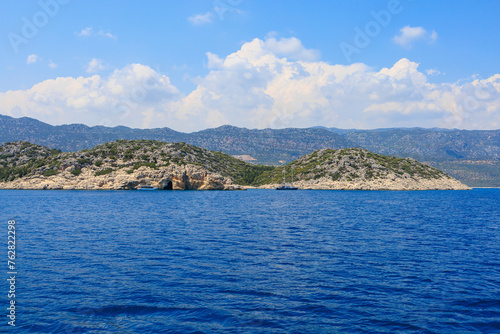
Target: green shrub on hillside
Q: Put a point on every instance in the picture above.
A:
(84, 161)
(147, 164)
(250, 174)
(76, 171)
(104, 172)
(50, 172)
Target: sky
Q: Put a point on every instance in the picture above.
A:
(192, 65)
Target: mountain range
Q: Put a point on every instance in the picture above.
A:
(471, 156)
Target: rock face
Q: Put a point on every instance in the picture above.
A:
(359, 169)
(120, 166)
(188, 177)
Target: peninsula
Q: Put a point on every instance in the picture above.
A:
(131, 164)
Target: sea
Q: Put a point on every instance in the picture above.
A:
(255, 261)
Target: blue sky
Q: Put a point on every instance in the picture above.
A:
(197, 64)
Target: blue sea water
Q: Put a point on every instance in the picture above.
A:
(256, 261)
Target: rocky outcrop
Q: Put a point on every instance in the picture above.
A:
(167, 178)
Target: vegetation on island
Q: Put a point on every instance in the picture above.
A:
(21, 159)
(350, 164)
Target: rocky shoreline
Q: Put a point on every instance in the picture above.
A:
(129, 165)
(167, 178)
(388, 184)
(196, 178)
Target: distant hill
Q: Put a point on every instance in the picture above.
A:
(74, 137)
(471, 156)
(429, 144)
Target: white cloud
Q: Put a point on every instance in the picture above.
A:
(433, 36)
(95, 65)
(200, 19)
(32, 59)
(52, 65)
(433, 71)
(220, 8)
(291, 48)
(89, 31)
(106, 34)
(261, 85)
(124, 97)
(408, 35)
(85, 32)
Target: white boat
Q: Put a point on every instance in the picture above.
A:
(146, 187)
(286, 186)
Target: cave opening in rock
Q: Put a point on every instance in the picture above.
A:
(168, 186)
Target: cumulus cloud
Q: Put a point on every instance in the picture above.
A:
(32, 59)
(52, 65)
(124, 97)
(200, 19)
(261, 85)
(95, 65)
(408, 35)
(291, 48)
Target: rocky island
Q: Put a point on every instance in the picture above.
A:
(132, 164)
(360, 169)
